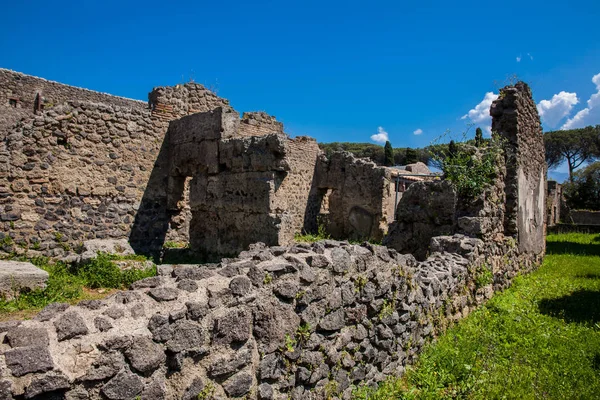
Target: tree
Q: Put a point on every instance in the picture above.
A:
(411, 156)
(575, 146)
(583, 192)
(388, 159)
(478, 137)
(452, 149)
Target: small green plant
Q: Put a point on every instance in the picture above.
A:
(312, 237)
(7, 240)
(470, 169)
(290, 343)
(483, 276)
(387, 308)
(12, 225)
(268, 278)
(36, 245)
(58, 236)
(175, 245)
(207, 392)
(360, 283)
(303, 332)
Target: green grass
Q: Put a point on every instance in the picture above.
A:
(71, 284)
(540, 339)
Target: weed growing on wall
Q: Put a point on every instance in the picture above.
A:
(471, 169)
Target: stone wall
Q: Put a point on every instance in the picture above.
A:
(244, 189)
(18, 93)
(512, 208)
(554, 203)
(300, 322)
(258, 124)
(585, 217)
(78, 165)
(359, 195)
(515, 118)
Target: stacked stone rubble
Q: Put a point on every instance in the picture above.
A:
(306, 321)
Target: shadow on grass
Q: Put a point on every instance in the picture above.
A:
(590, 275)
(573, 248)
(582, 306)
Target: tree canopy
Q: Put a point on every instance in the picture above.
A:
(575, 146)
(388, 159)
(375, 152)
(583, 192)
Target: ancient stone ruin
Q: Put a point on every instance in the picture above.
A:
(279, 319)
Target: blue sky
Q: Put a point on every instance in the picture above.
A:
(333, 70)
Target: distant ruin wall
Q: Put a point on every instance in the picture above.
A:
(359, 195)
(299, 322)
(584, 217)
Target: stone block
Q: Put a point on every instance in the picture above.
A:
(16, 276)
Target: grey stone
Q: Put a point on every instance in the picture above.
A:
(271, 367)
(91, 304)
(137, 311)
(265, 391)
(16, 276)
(240, 285)
(192, 392)
(6, 390)
(24, 360)
(5, 326)
(233, 326)
(124, 386)
(144, 355)
(340, 260)
(70, 325)
(229, 364)
(49, 382)
(155, 390)
(111, 246)
(164, 270)
(286, 289)
(160, 328)
(104, 367)
(22, 336)
(114, 312)
(116, 343)
(333, 321)
(164, 293)
(238, 385)
(196, 311)
(150, 282)
(318, 261)
(188, 285)
(193, 272)
(187, 335)
(77, 394)
(51, 310)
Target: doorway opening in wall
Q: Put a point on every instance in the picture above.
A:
(176, 247)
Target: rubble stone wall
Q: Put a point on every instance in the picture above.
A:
(300, 322)
(584, 217)
(81, 166)
(360, 197)
(513, 208)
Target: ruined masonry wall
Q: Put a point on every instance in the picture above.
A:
(300, 322)
(361, 200)
(79, 169)
(18, 92)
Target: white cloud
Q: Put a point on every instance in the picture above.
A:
(480, 115)
(589, 115)
(553, 110)
(519, 58)
(530, 56)
(418, 131)
(381, 136)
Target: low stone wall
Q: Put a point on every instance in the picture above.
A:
(584, 217)
(301, 322)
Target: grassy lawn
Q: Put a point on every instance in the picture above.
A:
(540, 339)
(69, 284)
